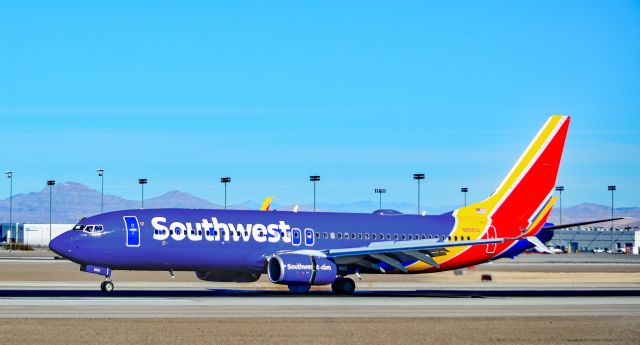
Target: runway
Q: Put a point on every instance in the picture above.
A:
(572, 300)
(56, 303)
(38, 286)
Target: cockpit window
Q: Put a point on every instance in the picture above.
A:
(89, 228)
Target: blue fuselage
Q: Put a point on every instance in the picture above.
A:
(198, 239)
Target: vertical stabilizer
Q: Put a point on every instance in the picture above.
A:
(525, 194)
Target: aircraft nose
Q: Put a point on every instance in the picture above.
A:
(61, 244)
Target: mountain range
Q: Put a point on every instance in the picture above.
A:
(72, 201)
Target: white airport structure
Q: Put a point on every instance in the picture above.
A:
(621, 241)
(33, 234)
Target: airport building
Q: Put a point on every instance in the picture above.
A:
(588, 240)
(30, 233)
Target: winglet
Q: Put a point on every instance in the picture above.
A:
(266, 204)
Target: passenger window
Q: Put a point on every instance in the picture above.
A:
(423, 237)
(410, 237)
(388, 236)
(455, 238)
(404, 237)
(366, 236)
(395, 236)
(360, 236)
(346, 235)
(325, 235)
(382, 236)
(353, 236)
(317, 235)
(468, 238)
(339, 235)
(333, 235)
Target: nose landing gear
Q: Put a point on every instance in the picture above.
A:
(106, 286)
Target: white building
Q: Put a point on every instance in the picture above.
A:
(38, 234)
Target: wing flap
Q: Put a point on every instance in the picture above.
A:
(427, 259)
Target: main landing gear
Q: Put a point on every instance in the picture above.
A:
(106, 286)
(343, 286)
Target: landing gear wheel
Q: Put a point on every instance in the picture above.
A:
(106, 286)
(299, 288)
(343, 286)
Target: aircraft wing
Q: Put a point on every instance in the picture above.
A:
(564, 226)
(393, 253)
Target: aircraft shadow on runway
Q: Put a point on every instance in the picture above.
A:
(328, 294)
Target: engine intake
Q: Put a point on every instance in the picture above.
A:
(296, 268)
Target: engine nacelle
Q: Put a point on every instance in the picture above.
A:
(303, 269)
(229, 275)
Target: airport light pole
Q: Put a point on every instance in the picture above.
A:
(50, 183)
(464, 190)
(225, 180)
(142, 182)
(10, 177)
(101, 174)
(560, 189)
(418, 177)
(380, 191)
(314, 179)
(612, 189)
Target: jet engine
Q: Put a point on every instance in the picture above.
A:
(301, 269)
(229, 275)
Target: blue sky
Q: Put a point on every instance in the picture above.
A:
(362, 93)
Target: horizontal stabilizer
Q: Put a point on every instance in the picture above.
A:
(541, 247)
(564, 226)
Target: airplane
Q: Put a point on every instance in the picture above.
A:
(305, 249)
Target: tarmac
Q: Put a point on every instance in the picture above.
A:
(536, 299)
